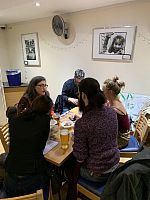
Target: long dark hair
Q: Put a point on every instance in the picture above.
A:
(31, 92)
(42, 105)
(91, 88)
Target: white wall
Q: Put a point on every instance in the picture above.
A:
(59, 60)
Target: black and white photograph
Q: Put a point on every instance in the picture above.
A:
(30, 49)
(113, 43)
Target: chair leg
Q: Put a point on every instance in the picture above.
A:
(50, 191)
(53, 196)
(59, 195)
(56, 197)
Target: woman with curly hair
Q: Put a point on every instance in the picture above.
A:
(111, 89)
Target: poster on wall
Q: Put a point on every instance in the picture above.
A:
(30, 47)
(115, 43)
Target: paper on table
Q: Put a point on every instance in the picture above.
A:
(50, 144)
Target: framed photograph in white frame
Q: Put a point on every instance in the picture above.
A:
(114, 43)
(30, 47)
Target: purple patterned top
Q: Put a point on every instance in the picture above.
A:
(95, 139)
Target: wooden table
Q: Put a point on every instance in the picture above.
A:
(57, 155)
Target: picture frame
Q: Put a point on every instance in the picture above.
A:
(30, 47)
(114, 43)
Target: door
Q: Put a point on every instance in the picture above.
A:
(3, 119)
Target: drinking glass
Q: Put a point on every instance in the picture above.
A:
(56, 116)
(64, 137)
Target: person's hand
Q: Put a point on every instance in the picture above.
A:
(75, 117)
(73, 100)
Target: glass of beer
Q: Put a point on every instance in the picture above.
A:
(64, 137)
(56, 116)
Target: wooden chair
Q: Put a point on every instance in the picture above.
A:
(35, 196)
(138, 139)
(4, 136)
(90, 189)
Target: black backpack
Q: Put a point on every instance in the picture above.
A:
(59, 104)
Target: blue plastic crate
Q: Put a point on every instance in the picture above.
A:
(13, 77)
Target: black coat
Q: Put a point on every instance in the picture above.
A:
(28, 137)
(130, 181)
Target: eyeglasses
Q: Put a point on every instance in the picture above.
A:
(42, 85)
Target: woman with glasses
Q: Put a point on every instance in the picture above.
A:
(36, 87)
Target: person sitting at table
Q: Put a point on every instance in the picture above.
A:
(37, 87)
(70, 89)
(95, 137)
(112, 88)
(26, 167)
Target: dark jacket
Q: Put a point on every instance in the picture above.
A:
(130, 181)
(28, 136)
(59, 104)
(69, 89)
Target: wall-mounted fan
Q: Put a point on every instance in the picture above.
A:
(60, 27)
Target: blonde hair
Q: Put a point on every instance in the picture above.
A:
(114, 84)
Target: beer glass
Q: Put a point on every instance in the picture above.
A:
(64, 137)
(56, 116)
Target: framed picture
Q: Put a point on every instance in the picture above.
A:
(30, 46)
(115, 43)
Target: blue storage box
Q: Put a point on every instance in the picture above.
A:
(13, 77)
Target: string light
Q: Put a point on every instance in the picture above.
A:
(65, 48)
(143, 38)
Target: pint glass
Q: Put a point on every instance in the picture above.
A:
(56, 116)
(64, 137)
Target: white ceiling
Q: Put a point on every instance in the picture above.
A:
(12, 11)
